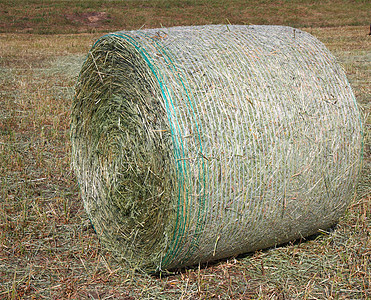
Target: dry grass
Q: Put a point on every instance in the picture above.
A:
(47, 246)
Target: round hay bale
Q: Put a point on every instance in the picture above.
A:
(192, 144)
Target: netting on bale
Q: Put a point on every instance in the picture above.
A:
(192, 144)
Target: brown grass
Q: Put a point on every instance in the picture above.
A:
(48, 248)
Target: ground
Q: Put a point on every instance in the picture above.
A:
(48, 248)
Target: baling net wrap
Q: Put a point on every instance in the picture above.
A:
(192, 144)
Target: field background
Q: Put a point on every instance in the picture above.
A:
(48, 248)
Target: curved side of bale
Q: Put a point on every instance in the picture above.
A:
(191, 144)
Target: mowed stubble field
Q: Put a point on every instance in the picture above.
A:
(48, 248)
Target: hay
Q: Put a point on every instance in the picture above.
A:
(192, 144)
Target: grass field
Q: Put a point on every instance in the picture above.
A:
(48, 248)
(73, 16)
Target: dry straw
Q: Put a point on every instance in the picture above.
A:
(192, 144)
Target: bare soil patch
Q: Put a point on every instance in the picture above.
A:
(88, 19)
